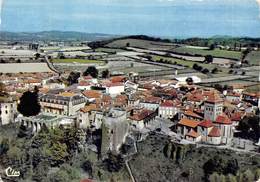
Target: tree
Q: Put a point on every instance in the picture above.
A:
(113, 163)
(212, 47)
(208, 59)
(221, 166)
(231, 71)
(2, 88)
(195, 66)
(29, 105)
(61, 55)
(37, 55)
(105, 73)
(73, 77)
(249, 127)
(189, 81)
(205, 71)
(87, 167)
(92, 71)
(214, 71)
(247, 176)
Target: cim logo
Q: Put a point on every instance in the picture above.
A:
(10, 172)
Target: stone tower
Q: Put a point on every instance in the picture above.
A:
(213, 107)
(114, 131)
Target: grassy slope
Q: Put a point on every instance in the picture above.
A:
(150, 164)
(215, 53)
(141, 44)
(254, 57)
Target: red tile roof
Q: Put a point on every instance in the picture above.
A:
(88, 77)
(114, 84)
(92, 94)
(215, 132)
(223, 119)
(188, 122)
(237, 116)
(193, 134)
(84, 83)
(141, 115)
(195, 98)
(214, 98)
(116, 79)
(152, 99)
(192, 114)
(167, 103)
(206, 124)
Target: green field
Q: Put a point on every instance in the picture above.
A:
(254, 57)
(188, 63)
(76, 61)
(215, 52)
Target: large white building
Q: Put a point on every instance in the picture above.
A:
(64, 103)
(167, 109)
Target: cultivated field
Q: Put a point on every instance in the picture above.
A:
(24, 67)
(214, 53)
(186, 63)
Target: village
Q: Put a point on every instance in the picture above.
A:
(118, 98)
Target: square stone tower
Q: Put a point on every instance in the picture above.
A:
(213, 107)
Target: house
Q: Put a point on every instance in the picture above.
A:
(86, 116)
(190, 114)
(121, 101)
(92, 95)
(167, 109)
(30, 83)
(214, 136)
(131, 85)
(238, 88)
(150, 102)
(141, 117)
(114, 89)
(84, 85)
(185, 125)
(63, 103)
(225, 126)
(233, 97)
(253, 98)
(193, 136)
(204, 129)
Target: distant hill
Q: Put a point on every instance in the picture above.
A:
(53, 36)
(195, 41)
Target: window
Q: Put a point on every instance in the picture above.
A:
(6, 112)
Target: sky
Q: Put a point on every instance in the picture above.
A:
(169, 18)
